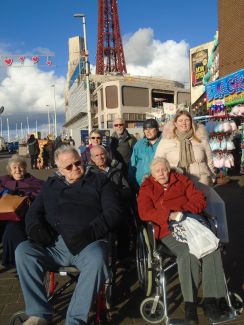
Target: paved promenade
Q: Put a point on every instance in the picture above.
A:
(128, 296)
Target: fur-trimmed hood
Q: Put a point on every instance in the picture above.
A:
(201, 132)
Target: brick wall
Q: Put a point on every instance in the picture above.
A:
(231, 36)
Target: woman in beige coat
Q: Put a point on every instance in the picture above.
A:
(187, 147)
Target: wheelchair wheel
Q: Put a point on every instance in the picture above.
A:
(236, 302)
(18, 318)
(144, 261)
(146, 311)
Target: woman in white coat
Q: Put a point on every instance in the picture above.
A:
(186, 146)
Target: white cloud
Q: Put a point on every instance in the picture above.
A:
(26, 89)
(149, 57)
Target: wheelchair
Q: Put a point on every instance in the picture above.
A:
(154, 263)
(55, 289)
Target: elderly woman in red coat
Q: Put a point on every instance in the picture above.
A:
(17, 182)
(164, 196)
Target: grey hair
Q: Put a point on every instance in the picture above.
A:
(160, 160)
(96, 131)
(100, 147)
(64, 149)
(119, 118)
(18, 160)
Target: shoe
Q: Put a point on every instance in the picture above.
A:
(191, 313)
(34, 320)
(212, 310)
(227, 312)
(223, 306)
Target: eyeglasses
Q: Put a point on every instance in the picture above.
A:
(97, 138)
(116, 125)
(77, 163)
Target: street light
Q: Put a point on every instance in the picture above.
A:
(87, 72)
(1, 127)
(55, 113)
(48, 119)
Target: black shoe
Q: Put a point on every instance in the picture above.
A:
(212, 310)
(191, 313)
(224, 308)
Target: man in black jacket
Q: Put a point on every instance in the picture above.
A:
(122, 143)
(67, 225)
(34, 150)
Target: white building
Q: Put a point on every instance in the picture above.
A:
(129, 97)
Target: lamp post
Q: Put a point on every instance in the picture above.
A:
(8, 130)
(1, 126)
(48, 119)
(87, 72)
(28, 127)
(54, 109)
(21, 131)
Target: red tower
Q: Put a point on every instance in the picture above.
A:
(110, 53)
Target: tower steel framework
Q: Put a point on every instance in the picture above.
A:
(110, 53)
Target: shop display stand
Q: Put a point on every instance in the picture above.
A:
(221, 130)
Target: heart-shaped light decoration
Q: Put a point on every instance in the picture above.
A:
(35, 59)
(21, 59)
(49, 62)
(8, 61)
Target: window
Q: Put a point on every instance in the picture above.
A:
(135, 96)
(102, 104)
(109, 124)
(111, 96)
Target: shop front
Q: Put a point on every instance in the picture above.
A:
(225, 103)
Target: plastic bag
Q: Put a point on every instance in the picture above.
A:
(200, 239)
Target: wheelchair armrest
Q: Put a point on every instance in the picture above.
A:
(151, 234)
(157, 245)
(163, 250)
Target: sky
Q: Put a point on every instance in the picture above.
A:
(157, 36)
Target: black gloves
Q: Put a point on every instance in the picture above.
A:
(81, 240)
(41, 235)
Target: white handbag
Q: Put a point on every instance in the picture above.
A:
(200, 239)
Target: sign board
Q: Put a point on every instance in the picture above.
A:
(169, 109)
(229, 89)
(199, 66)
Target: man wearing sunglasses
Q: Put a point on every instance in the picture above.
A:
(68, 225)
(122, 143)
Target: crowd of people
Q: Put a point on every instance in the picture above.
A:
(99, 191)
(43, 157)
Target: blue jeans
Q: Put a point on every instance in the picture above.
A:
(32, 261)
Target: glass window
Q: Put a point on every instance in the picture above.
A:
(135, 96)
(111, 96)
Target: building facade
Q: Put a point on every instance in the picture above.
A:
(131, 97)
(231, 36)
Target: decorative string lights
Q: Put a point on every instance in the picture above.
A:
(9, 60)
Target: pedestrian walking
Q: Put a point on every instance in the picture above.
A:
(34, 150)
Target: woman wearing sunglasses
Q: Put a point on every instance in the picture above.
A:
(95, 138)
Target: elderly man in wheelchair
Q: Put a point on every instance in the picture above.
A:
(167, 197)
(67, 226)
